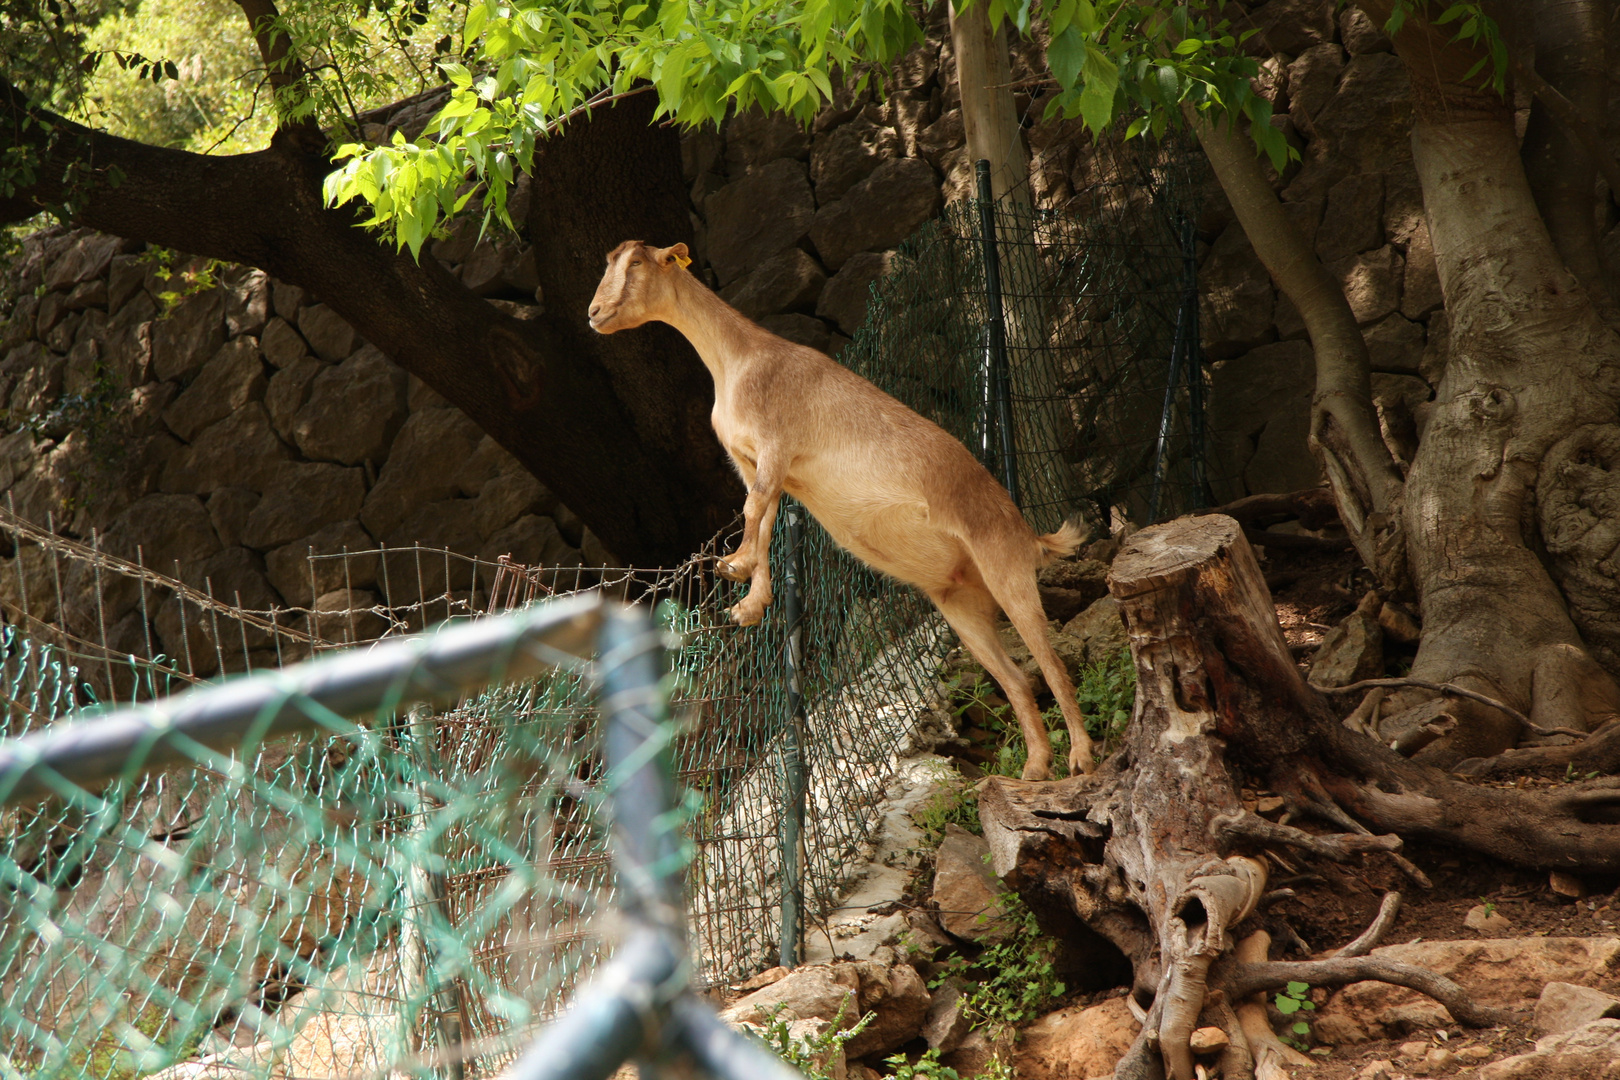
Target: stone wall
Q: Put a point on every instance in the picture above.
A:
(228, 424)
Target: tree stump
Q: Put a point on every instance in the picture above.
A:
(1155, 850)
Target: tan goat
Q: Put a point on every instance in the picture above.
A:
(893, 488)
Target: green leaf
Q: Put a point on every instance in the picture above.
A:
(1298, 989)
(1302, 1028)
(1286, 1005)
(1065, 56)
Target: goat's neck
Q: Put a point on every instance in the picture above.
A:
(719, 333)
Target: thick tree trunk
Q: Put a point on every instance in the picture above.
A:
(606, 424)
(1155, 850)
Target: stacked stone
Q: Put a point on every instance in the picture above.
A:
(1343, 99)
(231, 435)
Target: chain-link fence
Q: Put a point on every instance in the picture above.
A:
(1081, 384)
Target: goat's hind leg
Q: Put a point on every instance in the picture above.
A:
(972, 611)
(1015, 588)
(752, 559)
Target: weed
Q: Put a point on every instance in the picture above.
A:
(954, 803)
(189, 281)
(927, 1067)
(811, 1055)
(1490, 907)
(1105, 691)
(1013, 979)
(1292, 1000)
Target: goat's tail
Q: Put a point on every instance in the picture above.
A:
(1066, 541)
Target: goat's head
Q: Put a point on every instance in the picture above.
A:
(639, 284)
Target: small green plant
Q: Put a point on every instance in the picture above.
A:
(1013, 980)
(954, 803)
(1490, 906)
(1293, 999)
(927, 1067)
(1107, 696)
(811, 1055)
(188, 281)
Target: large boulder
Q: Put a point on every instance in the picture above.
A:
(86, 258)
(1100, 630)
(1501, 972)
(878, 212)
(1590, 1052)
(966, 893)
(1355, 217)
(426, 463)
(847, 293)
(1235, 296)
(790, 281)
(756, 139)
(327, 333)
(184, 340)
(757, 217)
(897, 1000)
(845, 155)
(239, 451)
(300, 578)
(288, 391)
(506, 498)
(1312, 78)
(300, 497)
(1076, 1043)
(1372, 282)
(354, 410)
(1259, 418)
(234, 377)
(282, 344)
(829, 992)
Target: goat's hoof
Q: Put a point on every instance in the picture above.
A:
(1080, 761)
(732, 571)
(1034, 770)
(746, 614)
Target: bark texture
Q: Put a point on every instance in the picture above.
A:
(607, 425)
(1155, 850)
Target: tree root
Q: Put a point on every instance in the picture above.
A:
(1600, 752)
(1453, 690)
(1381, 923)
(1242, 979)
(1270, 1054)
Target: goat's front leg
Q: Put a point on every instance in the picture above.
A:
(753, 555)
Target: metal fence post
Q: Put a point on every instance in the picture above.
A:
(441, 997)
(1183, 354)
(795, 769)
(995, 359)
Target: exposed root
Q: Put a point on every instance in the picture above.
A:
(1600, 752)
(1239, 978)
(1271, 1056)
(1369, 939)
(1453, 690)
(1339, 847)
(1237, 1061)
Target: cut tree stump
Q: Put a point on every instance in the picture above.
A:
(1155, 850)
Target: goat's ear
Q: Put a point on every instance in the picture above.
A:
(675, 254)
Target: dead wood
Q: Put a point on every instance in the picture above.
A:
(1156, 852)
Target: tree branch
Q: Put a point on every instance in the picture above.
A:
(1344, 425)
(542, 388)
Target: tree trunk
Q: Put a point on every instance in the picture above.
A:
(989, 117)
(606, 424)
(1155, 850)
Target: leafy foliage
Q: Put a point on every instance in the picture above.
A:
(812, 1054)
(1013, 980)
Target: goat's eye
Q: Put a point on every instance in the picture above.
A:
(635, 262)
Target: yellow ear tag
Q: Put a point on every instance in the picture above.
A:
(683, 261)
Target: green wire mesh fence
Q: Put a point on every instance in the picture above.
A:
(1098, 310)
(143, 1007)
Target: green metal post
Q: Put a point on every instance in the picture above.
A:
(794, 767)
